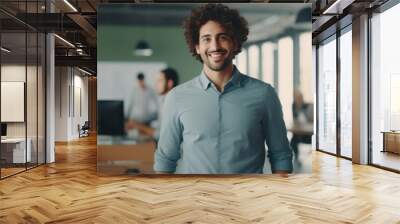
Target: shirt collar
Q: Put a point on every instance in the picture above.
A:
(235, 79)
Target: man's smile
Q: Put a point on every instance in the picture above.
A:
(216, 55)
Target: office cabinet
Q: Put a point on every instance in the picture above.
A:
(391, 142)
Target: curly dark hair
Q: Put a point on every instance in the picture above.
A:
(234, 24)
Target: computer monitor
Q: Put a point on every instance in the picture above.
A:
(110, 117)
(3, 129)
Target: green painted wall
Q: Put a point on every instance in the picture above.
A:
(116, 43)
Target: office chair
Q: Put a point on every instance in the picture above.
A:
(84, 130)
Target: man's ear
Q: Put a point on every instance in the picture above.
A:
(197, 49)
(170, 84)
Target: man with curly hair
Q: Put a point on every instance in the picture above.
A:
(219, 122)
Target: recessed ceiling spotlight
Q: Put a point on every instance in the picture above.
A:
(5, 50)
(70, 5)
(64, 40)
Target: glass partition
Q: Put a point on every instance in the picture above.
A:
(327, 95)
(385, 89)
(346, 93)
(31, 99)
(22, 91)
(14, 151)
(41, 107)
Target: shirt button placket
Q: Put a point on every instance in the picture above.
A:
(219, 131)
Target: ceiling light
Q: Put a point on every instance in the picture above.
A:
(84, 71)
(337, 7)
(64, 40)
(71, 6)
(304, 16)
(5, 50)
(143, 49)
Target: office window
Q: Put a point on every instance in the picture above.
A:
(314, 84)
(385, 88)
(306, 82)
(254, 61)
(267, 50)
(346, 93)
(241, 61)
(327, 95)
(285, 78)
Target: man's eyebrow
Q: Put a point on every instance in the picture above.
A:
(218, 34)
(223, 33)
(205, 35)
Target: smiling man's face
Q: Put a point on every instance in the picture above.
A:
(216, 48)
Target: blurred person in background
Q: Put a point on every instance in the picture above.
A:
(142, 104)
(166, 80)
(302, 117)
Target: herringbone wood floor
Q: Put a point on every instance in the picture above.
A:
(69, 191)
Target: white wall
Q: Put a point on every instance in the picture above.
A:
(33, 105)
(70, 83)
(117, 80)
(61, 103)
(79, 117)
(12, 73)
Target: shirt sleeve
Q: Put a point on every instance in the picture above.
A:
(279, 150)
(168, 148)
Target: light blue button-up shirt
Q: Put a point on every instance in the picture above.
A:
(204, 131)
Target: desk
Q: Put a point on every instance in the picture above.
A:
(13, 150)
(391, 141)
(302, 129)
(116, 159)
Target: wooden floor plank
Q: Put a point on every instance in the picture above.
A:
(70, 191)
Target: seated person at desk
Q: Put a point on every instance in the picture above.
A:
(167, 79)
(302, 115)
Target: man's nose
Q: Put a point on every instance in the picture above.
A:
(215, 44)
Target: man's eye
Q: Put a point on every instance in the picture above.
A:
(206, 39)
(224, 37)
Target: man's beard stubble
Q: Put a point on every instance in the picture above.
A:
(224, 65)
